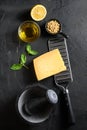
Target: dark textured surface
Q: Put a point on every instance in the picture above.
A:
(73, 16)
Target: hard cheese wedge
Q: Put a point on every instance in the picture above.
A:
(48, 64)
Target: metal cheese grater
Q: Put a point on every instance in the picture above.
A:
(62, 79)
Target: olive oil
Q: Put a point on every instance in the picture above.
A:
(29, 31)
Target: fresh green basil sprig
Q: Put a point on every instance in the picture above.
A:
(23, 59)
(21, 63)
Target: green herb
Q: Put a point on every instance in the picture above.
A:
(33, 52)
(28, 48)
(16, 67)
(30, 51)
(21, 63)
(23, 59)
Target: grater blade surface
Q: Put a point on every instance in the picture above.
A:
(61, 44)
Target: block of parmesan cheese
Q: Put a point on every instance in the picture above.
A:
(48, 64)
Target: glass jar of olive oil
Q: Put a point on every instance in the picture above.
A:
(29, 31)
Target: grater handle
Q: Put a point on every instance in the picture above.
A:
(69, 111)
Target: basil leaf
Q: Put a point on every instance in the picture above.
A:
(16, 67)
(30, 51)
(28, 48)
(23, 59)
(33, 52)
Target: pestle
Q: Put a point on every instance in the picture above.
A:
(38, 104)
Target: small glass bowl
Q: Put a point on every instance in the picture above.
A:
(29, 31)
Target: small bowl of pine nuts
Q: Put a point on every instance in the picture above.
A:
(54, 27)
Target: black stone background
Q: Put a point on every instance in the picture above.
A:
(73, 16)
